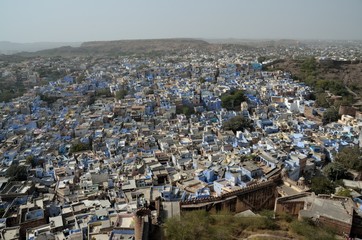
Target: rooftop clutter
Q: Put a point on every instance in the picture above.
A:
(101, 156)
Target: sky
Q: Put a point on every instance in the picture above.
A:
(27, 21)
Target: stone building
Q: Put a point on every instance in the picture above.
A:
(325, 210)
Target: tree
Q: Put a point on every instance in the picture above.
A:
(261, 59)
(216, 74)
(331, 115)
(78, 147)
(322, 85)
(233, 99)
(245, 158)
(121, 94)
(186, 110)
(31, 160)
(346, 101)
(103, 92)
(150, 91)
(80, 78)
(321, 100)
(335, 171)
(48, 98)
(237, 123)
(350, 158)
(309, 66)
(322, 185)
(17, 173)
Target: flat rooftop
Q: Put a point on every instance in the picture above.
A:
(339, 210)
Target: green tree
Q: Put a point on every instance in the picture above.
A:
(187, 110)
(346, 101)
(309, 66)
(80, 78)
(322, 85)
(150, 91)
(335, 171)
(31, 160)
(338, 88)
(261, 59)
(321, 100)
(233, 99)
(103, 92)
(350, 158)
(322, 185)
(237, 123)
(331, 115)
(48, 98)
(78, 147)
(121, 94)
(17, 173)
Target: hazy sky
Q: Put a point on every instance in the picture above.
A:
(85, 20)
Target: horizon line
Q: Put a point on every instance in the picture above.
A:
(190, 38)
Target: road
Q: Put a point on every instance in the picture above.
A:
(350, 91)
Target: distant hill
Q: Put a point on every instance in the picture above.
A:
(154, 46)
(258, 42)
(123, 47)
(12, 47)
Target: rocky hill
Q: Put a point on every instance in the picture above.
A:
(346, 72)
(124, 47)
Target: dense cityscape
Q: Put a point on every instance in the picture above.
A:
(100, 147)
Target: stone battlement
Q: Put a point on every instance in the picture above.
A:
(251, 188)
